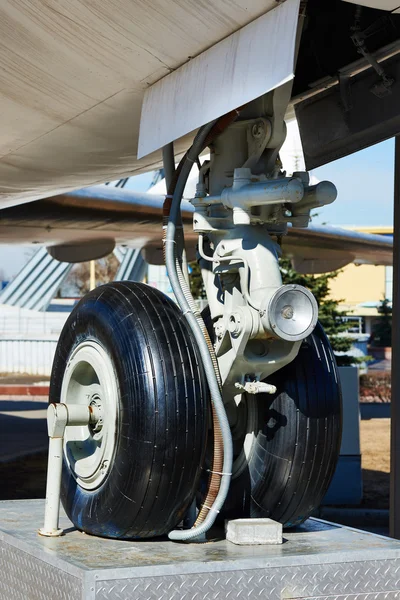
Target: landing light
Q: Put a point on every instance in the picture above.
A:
(291, 313)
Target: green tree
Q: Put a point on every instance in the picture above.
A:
(382, 332)
(329, 314)
(196, 280)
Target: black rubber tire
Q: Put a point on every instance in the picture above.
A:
(162, 397)
(297, 439)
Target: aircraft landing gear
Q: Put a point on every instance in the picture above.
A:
(274, 368)
(146, 370)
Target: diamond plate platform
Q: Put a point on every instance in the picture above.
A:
(318, 560)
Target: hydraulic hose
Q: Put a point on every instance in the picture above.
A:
(168, 163)
(182, 295)
(218, 451)
(171, 179)
(218, 446)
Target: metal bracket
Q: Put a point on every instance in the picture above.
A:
(383, 87)
(59, 416)
(258, 135)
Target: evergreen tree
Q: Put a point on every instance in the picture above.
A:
(329, 314)
(196, 280)
(382, 332)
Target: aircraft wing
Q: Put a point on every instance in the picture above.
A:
(90, 222)
(320, 249)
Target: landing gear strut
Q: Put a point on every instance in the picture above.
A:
(264, 343)
(144, 372)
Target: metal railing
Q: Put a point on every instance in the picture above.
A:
(25, 355)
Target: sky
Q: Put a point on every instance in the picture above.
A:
(364, 181)
(365, 196)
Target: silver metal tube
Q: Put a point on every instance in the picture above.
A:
(321, 194)
(259, 194)
(267, 192)
(79, 414)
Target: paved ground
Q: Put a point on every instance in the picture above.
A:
(380, 365)
(23, 428)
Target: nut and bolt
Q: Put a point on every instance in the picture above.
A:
(235, 326)
(219, 329)
(257, 130)
(104, 466)
(96, 414)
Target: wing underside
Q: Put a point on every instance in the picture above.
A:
(100, 215)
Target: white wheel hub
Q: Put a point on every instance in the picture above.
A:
(90, 380)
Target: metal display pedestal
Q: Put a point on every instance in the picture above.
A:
(317, 560)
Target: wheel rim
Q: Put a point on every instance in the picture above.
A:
(90, 379)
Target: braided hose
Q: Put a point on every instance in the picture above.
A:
(218, 453)
(223, 457)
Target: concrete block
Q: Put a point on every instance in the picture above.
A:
(253, 531)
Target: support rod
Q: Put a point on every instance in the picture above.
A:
(59, 416)
(53, 486)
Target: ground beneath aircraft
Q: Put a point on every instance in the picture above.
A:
(25, 477)
(375, 449)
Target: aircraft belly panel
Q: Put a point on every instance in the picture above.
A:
(228, 75)
(391, 5)
(72, 81)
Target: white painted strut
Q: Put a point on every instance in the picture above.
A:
(59, 416)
